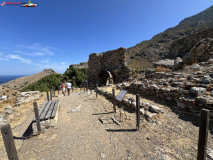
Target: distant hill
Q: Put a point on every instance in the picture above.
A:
(143, 54)
(22, 82)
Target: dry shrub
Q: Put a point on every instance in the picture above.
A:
(162, 69)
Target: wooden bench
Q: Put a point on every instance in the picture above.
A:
(48, 115)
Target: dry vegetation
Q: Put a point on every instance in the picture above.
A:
(162, 69)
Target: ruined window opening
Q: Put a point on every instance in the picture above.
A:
(106, 78)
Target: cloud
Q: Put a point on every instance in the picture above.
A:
(35, 49)
(45, 61)
(2, 58)
(17, 57)
(57, 66)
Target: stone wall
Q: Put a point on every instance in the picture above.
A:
(80, 65)
(25, 97)
(112, 61)
(190, 89)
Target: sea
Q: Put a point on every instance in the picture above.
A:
(7, 78)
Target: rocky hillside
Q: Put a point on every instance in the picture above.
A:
(22, 82)
(144, 53)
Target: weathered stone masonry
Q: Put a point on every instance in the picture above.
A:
(108, 67)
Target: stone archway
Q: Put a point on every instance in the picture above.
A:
(106, 78)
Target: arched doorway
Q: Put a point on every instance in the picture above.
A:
(106, 78)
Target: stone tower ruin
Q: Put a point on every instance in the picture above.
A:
(108, 67)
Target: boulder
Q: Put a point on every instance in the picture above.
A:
(6, 115)
(149, 116)
(178, 63)
(155, 109)
(169, 63)
(206, 79)
(197, 91)
(202, 51)
(3, 98)
(206, 100)
(142, 111)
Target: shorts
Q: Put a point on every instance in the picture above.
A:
(63, 90)
(68, 89)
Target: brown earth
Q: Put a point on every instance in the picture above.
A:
(89, 133)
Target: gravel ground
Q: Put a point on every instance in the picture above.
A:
(85, 130)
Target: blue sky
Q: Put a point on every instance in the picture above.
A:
(56, 34)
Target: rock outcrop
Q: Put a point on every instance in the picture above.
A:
(6, 115)
(25, 97)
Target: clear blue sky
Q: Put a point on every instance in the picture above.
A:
(58, 33)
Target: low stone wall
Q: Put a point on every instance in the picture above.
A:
(25, 97)
(147, 110)
(190, 90)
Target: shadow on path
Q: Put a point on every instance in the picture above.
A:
(121, 130)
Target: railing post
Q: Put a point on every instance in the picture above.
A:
(203, 134)
(48, 98)
(51, 98)
(96, 90)
(137, 112)
(9, 142)
(113, 100)
(58, 89)
(54, 90)
(35, 106)
(90, 88)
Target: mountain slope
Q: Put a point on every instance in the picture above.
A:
(20, 83)
(143, 54)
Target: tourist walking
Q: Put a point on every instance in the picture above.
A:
(69, 85)
(63, 86)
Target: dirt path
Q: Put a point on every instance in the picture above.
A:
(85, 131)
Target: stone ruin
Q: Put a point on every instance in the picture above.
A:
(108, 67)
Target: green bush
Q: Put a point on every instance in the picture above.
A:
(44, 83)
(77, 75)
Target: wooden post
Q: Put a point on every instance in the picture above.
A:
(35, 106)
(48, 98)
(51, 98)
(58, 89)
(90, 88)
(137, 111)
(203, 134)
(120, 111)
(9, 142)
(96, 90)
(113, 100)
(54, 90)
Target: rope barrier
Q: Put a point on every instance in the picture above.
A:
(24, 120)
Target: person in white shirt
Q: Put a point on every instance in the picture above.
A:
(68, 86)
